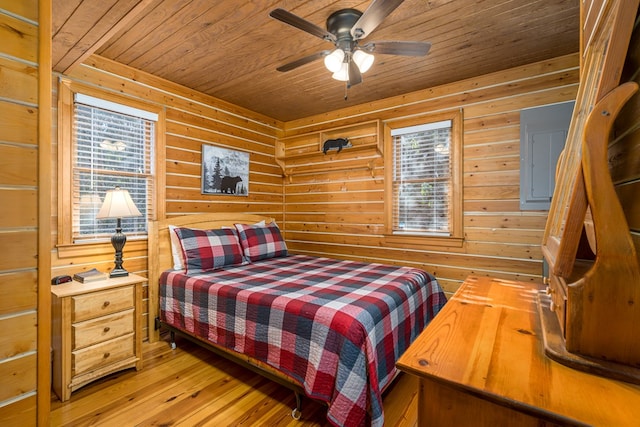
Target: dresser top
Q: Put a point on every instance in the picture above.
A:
(487, 341)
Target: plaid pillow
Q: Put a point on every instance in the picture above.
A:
(206, 250)
(261, 242)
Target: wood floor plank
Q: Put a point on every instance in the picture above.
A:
(202, 387)
(191, 386)
(129, 387)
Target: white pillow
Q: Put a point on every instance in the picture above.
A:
(176, 249)
(258, 224)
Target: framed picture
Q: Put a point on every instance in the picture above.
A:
(224, 171)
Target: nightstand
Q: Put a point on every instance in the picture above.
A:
(97, 330)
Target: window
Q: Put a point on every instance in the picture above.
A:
(104, 144)
(423, 177)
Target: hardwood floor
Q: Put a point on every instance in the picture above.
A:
(191, 386)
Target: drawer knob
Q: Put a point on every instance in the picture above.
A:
(107, 329)
(106, 355)
(105, 304)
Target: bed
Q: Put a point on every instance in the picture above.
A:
(329, 329)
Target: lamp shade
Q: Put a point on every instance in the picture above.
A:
(118, 204)
(363, 60)
(334, 60)
(343, 73)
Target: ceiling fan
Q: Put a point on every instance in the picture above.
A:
(345, 29)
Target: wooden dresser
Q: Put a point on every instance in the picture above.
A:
(96, 330)
(481, 362)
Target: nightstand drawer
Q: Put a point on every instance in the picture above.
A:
(97, 304)
(102, 328)
(103, 354)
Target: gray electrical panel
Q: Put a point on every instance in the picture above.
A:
(543, 133)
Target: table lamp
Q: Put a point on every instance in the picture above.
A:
(118, 204)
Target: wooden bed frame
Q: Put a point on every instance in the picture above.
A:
(160, 259)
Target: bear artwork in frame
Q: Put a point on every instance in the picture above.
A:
(224, 171)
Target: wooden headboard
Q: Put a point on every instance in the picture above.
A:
(160, 258)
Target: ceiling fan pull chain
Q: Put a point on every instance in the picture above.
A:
(346, 90)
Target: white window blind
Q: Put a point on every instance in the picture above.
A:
(422, 178)
(113, 146)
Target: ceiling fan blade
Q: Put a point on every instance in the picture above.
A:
(355, 76)
(398, 48)
(373, 16)
(302, 61)
(301, 24)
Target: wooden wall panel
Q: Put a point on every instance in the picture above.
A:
(341, 213)
(192, 119)
(28, 9)
(19, 413)
(19, 81)
(18, 292)
(19, 207)
(19, 335)
(624, 150)
(24, 249)
(18, 165)
(19, 153)
(19, 123)
(20, 376)
(19, 37)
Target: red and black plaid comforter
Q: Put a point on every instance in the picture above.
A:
(337, 327)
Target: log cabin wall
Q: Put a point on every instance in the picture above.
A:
(624, 148)
(334, 203)
(24, 155)
(192, 119)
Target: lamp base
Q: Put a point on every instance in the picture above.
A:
(118, 272)
(118, 240)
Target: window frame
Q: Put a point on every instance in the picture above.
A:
(418, 240)
(66, 95)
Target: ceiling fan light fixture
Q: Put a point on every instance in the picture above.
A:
(345, 29)
(363, 60)
(343, 73)
(334, 60)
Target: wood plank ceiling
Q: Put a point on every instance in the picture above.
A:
(230, 49)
